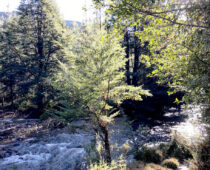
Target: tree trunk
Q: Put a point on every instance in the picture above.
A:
(12, 94)
(106, 143)
(127, 50)
(136, 59)
(41, 56)
(40, 99)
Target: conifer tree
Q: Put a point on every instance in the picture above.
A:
(42, 36)
(46, 37)
(11, 60)
(95, 80)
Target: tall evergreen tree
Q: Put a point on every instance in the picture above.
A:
(46, 38)
(95, 80)
(11, 61)
(42, 38)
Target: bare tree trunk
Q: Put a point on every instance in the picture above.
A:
(104, 134)
(12, 96)
(127, 51)
(136, 59)
(106, 143)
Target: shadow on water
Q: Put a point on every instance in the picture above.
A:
(160, 129)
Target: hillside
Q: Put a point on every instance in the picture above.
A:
(69, 23)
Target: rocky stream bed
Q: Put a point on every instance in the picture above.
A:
(35, 145)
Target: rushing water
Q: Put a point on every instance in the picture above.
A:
(59, 152)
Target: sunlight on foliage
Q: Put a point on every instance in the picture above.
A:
(120, 165)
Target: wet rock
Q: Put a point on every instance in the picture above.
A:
(53, 124)
(6, 132)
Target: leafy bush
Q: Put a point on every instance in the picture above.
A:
(135, 165)
(201, 156)
(149, 155)
(121, 165)
(174, 149)
(172, 163)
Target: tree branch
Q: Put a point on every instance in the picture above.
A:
(154, 14)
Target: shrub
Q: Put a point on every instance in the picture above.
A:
(135, 165)
(152, 166)
(172, 163)
(149, 155)
(120, 165)
(174, 149)
(202, 158)
(126, 148)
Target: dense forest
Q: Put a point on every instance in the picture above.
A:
(136, 59)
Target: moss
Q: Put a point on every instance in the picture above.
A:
(172, 163)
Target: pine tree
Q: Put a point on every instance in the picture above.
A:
(42, 37)
(46, 38)
(95, 79)
(11, 60)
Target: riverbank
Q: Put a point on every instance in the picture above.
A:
(32, 144)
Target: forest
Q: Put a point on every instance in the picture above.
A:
(127, 90)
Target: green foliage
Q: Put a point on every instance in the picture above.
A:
(184, 61)
(92, 154)
(174, 149)
(121, 165)
(12, 69)
(148, 155)
(201, 155)
(30, 44)
(178, 36)
(164, 152)
(93, 79)
(95, 73)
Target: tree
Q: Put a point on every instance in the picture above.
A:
(11, 61)
(133, 25)
(127, 51)
(94, 79)
(42, 37)
(172, 30)
(178, 36)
